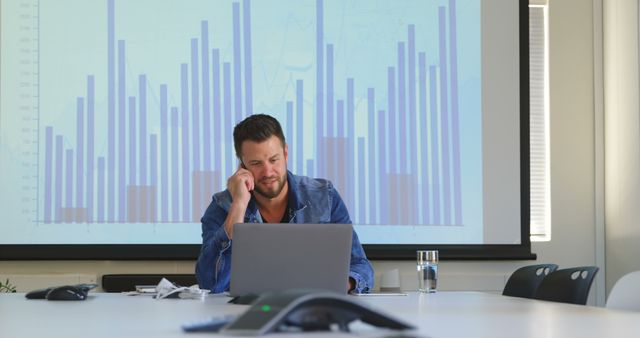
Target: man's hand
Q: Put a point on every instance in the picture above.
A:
(240, 186)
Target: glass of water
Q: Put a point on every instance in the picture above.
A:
(427, 265)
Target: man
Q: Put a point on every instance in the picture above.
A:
(263, 190)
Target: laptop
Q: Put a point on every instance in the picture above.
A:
(275, 257)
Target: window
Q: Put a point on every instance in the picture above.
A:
(539, 122)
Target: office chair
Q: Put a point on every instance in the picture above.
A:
(567, 285)
(625, 294)
(524, 281)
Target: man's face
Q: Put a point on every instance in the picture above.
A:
(267, 162)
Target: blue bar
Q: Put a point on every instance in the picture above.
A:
(195, 106)
(424, 208)
(402, 127)
(330, 118)
(90, 145)
(68, 196)
(289, 125)
(175, 182)
(455, 122)
(350, 134)
(164, 155)
(226, 75)
(217, 114)
(391, 146)
(435, 146)
(237, 63)
(373, 181)
(58, 181)
(362, 197)
(444, 119)
(319, 86)
(299, 128)
(248, 82)
(79, 154)
(48, 174)
(206, 98)
(101, 189)
(384, 175)
(111, 124)
(186, 170)
(412, 145)
(122, 131)
(142, 134)
(132, 142)
(153, 161)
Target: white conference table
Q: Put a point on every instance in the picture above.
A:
(443, 314)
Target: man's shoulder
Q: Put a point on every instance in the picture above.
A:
(223, 199)
(305, 182)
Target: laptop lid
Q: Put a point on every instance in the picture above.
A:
(275, 257)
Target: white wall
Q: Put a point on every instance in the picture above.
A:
(572, 176)
(622, 138)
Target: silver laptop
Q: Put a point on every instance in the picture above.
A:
(275, 257)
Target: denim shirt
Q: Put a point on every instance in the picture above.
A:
(310, 201)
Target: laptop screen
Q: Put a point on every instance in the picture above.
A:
(275, 256)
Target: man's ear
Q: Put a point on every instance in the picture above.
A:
(286, 152)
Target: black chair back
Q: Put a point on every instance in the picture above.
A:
(524, 281)
(568, 285)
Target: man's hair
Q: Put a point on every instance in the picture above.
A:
(257, 128)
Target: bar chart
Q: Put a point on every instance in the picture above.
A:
(388, 110)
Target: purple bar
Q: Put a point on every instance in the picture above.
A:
(121, 135)
(132, 142)
(248, 81)
(100, 189)
(444, 118)
(58, 181)
(217, 115)
(402, 113)
(79, 179)
(383, 180)
(339, 169)
(185, 142)
(175, 192)
(455, 122)
(435, 146)
(153, 149)
(391, 127)
(206, 94)
(424, 152)
(373, 180)
(68, 181)
(340, 118)
(143, 128)
(226, 75)
(330, 117)
(237, 63)
(48, 173)
(362, 204)
(299, 128)
(164, 151)
(319, 86)
(111, 75)
(90, 145)
(195, 104)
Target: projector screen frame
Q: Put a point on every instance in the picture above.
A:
(374, 251)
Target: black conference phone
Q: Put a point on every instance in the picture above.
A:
(306, 310)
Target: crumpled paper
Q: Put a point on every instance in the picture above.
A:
(166, 289)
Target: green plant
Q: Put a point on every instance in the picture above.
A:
(7, 287)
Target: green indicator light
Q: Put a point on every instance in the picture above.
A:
(266, 308)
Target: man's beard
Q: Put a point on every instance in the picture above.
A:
(272, 193)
